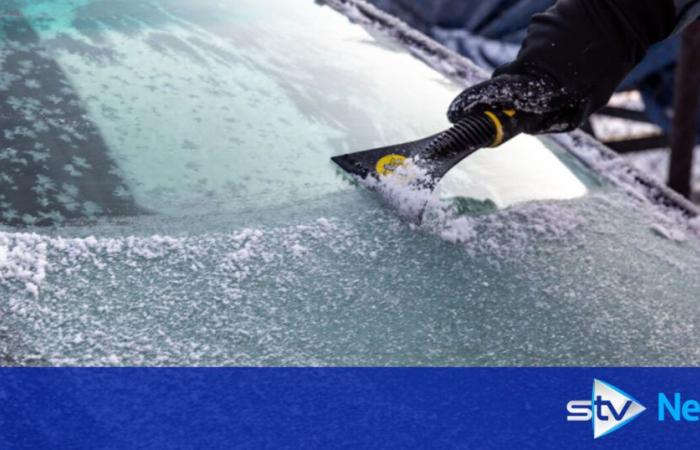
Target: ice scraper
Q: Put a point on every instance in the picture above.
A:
(435, 155)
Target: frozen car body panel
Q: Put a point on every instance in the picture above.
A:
(330, 276)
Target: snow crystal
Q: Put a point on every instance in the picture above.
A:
(32, 289)
(325, 223)
(459, 230)
(299, 250)
(241, 255)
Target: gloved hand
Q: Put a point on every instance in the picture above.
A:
(548, 107)
(574, 56)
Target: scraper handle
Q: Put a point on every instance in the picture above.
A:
(487, 128)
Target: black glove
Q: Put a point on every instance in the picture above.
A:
(548, 106)
(572, 60)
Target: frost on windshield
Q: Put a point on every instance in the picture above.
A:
(54, 164)
(119, 108)
(174, 108)
(546, 283)
(179, 108)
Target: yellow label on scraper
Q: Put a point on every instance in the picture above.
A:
(389, 163)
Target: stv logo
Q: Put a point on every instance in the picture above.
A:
(610, 409)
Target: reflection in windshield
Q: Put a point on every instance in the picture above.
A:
(522, 170)
(54, 164)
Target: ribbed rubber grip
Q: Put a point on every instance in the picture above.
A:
(471, 132)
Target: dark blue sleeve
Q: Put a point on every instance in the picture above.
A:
(686, 11)
(588, 46)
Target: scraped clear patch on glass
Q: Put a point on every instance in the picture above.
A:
(521, 170)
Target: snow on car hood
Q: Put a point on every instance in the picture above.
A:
(543, 283)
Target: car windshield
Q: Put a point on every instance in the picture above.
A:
(167, 198)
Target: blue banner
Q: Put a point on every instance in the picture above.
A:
(353, 408)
